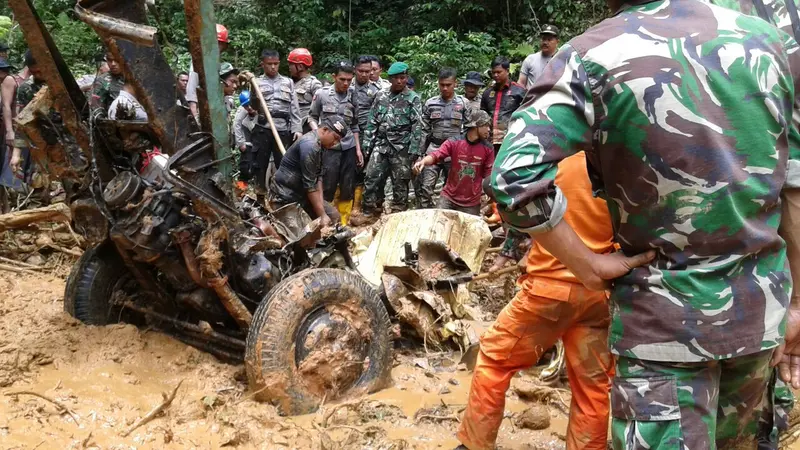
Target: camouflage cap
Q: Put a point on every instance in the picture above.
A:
(397, 69)
(477, 118)
(227, 68)
(335, 123)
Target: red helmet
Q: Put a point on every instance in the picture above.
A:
(301, 56)
(222, 33)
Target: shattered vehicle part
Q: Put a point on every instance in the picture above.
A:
(466, 235)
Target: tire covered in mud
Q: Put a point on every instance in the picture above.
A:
(91, 284)
(319, 334)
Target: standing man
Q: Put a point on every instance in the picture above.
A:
(366, 91)
(8, 91)
(473, 83)
(501, 99)
(305, 84)
(392, 139)
(183, 82)
(20, 158)
(534, 64)
(223, 41)
(552, 304)
(281, 99)
(442, 119)
(375, 76)
(299, 178)
(694, 193)
(243, 124)
(341, 162)
(472, 158)
(106, 87)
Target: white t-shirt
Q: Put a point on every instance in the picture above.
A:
(131, 108)
(533, 66)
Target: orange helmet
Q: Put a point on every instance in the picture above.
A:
(301, 56)
(222, 33)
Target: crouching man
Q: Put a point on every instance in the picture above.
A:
(299, 177)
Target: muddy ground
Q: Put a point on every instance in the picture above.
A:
(110, 377)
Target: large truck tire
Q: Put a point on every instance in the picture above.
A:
(91, 284)
(319, 334)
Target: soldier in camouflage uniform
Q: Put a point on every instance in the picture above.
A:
(698, 125)
(106, 88)
(305, 84)
(392, 138)
(442, 118)
(20, 156)
(366, 91)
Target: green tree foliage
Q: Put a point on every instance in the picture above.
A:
(465, 34)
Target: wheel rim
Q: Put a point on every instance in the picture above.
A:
(330, 353)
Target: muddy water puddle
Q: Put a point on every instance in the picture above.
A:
(110, 377)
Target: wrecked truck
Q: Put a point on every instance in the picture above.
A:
(173, 248)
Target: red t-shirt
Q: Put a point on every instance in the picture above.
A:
(471, 163)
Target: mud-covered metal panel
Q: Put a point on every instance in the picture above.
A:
(66, 96)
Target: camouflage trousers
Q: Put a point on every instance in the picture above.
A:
(425, 183)
(775, 419)
(693, 406)
(380, 167)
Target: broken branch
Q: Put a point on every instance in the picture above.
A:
(62, 409)
(59, 212)
(155, 412)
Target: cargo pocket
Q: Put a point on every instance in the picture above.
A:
(646, 414)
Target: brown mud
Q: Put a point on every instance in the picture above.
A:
(111, 377)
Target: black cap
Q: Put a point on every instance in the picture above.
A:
(335, 123)
(4, 65)
(3, 47)
(411, 83)
(474, 78)
(550, 29)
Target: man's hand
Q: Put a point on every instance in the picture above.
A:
(418, 166)
(16, 161)
(298, 136)
(499, 262)
(359, 158)
(787, 356)
(605, 268)
(243, 148)
(325, 221)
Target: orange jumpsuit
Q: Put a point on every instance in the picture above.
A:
(552, 304)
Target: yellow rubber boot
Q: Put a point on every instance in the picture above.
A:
(345, 208)
(359, 194)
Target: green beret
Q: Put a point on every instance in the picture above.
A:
(398, 68)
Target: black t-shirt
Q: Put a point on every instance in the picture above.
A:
(300, 170)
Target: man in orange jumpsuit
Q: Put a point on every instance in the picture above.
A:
(552, 304)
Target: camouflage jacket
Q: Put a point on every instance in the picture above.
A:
(687, 135)
(394, 123)
(105, 90)
(441, 120)
(774, 11)
(305, 88)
